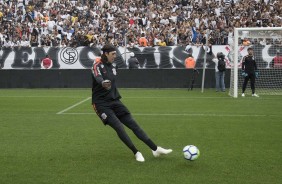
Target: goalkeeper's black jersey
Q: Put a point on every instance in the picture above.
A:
(249, 64)
(100, 72)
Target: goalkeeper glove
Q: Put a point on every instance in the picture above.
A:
(244, 74)
(256, 74)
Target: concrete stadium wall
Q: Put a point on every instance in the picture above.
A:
(81, 78)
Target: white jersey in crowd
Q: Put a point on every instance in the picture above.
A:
(197, 22)
(25, 43)
(2, 37)
(227, 2)
(20, 3)
(173, 18)
(8, 43)
(230, 38)
(68, 34)
(51, 24)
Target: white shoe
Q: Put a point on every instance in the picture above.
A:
(161, 151)
(139, 157)
(243, 94)
(255, 95)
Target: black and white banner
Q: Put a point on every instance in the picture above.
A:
(149, 57)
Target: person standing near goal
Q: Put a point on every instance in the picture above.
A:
(220, 68)
(107, 105)
(249, 71)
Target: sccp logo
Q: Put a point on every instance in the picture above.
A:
(69, 55)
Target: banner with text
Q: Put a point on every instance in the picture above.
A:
(148, 57)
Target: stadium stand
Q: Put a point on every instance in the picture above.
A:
(73, 23)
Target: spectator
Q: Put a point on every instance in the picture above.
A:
(246, 42)
(190, 62)
(220, 67)
(24, 42)
(277, 60)
(174, 20)
(143, 42)
(133, 62)
(162, 43)
(8, 43)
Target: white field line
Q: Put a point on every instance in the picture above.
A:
(148, 97)
(40, 96)
(200, 97)
(164, 97)
(65, 110)
(168, 97)
(182, 114)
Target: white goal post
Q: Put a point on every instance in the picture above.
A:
(267, 45)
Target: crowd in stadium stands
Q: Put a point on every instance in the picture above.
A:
(73, 23)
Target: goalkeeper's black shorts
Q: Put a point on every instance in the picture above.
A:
(110, 111)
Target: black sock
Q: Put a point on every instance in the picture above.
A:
(134, 150)
(151, 144)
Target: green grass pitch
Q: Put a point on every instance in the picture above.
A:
(53, 136)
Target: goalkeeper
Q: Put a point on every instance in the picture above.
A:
(106, 102)
(249, 71)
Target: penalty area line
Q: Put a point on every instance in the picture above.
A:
(67, 109)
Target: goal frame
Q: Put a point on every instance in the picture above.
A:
(236, 55)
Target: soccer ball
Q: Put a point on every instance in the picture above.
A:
(191, 152)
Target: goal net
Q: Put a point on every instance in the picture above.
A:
(267, 46)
